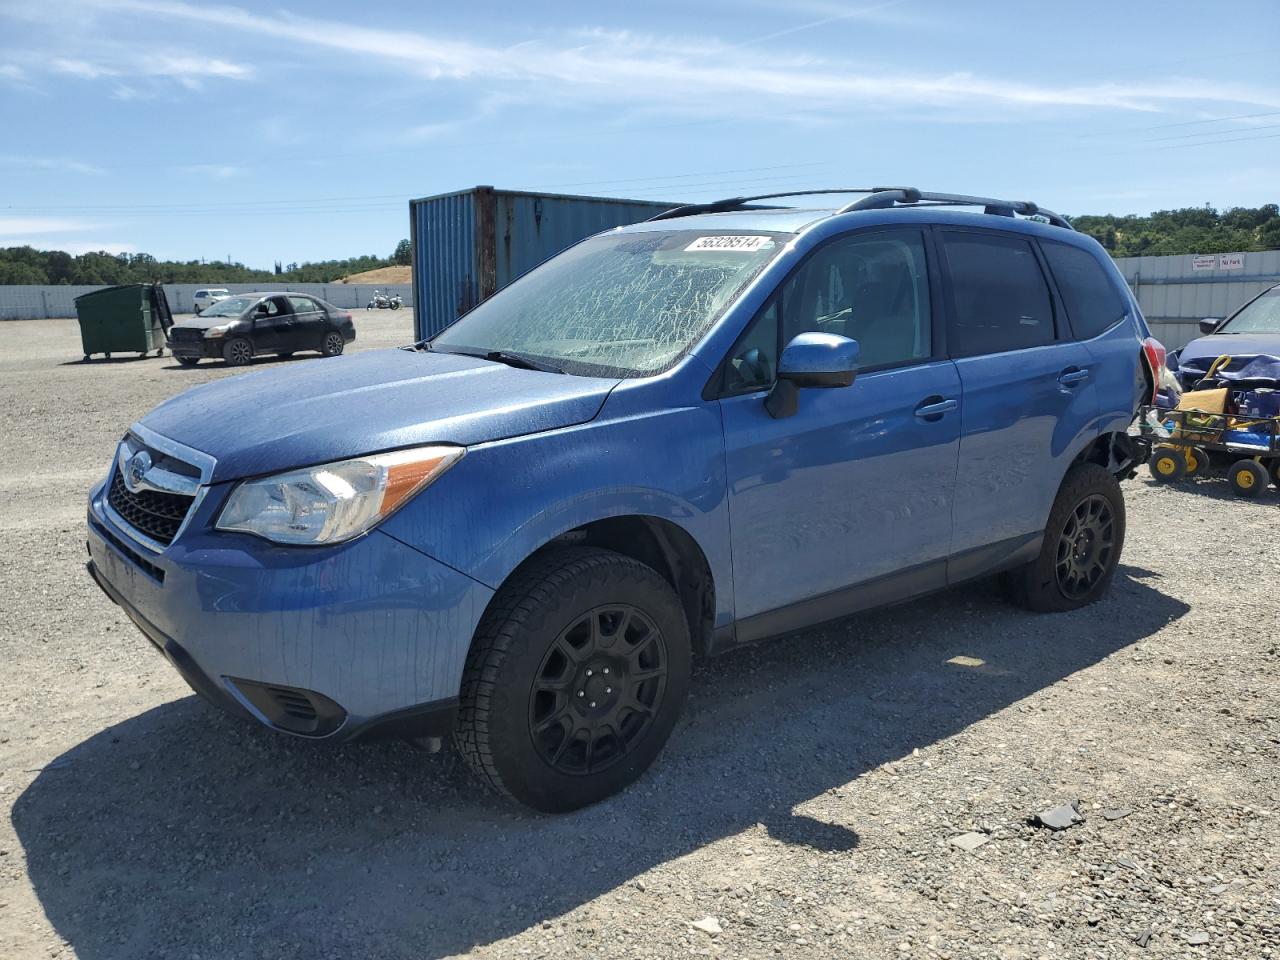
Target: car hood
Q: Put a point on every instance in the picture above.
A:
(330, 409)
(1235, 344)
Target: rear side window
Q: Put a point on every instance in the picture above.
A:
(303, 305)
(1000, 298)
(1093, 303)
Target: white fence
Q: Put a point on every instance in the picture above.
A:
(37, 302)
(1176, 293)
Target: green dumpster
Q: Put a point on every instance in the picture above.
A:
(131, 318)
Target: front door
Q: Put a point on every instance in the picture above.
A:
(847, 503)
(1028, 396)
(273, 326)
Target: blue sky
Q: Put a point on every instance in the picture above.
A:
(296, 131)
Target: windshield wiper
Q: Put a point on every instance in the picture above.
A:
(511, 359)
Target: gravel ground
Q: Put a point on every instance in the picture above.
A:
(809, 804)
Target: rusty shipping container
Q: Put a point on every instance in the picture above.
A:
(470, 244)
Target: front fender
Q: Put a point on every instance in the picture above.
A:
(505, 500)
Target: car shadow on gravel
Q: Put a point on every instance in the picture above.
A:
(184, 832)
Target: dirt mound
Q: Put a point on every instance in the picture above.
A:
(381, 275)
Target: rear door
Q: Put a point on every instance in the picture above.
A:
(309, 324)
(1028, 396)
(1103, 317)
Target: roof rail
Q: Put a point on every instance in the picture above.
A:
(750, 203)
(877, 198)
(1002, 208)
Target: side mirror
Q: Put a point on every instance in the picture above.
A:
(811, 360)
(1208, 325)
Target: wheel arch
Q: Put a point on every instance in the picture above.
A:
(658, 543)
(1118, 452)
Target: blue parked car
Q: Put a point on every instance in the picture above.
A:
(1253, 330)
(674, 438)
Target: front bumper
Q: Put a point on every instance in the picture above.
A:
(197, 348)
(368, 636)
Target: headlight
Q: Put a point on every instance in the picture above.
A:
(218, 331)
(334, 501)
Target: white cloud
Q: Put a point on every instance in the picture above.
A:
(187, 70)
(49, 163)
(624, 67)
(13, 72)
(17, 226)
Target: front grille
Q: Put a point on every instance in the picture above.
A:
(153, 514)
(149, 568)
(185, 335)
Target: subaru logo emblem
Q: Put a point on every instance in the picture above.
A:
(135, 469)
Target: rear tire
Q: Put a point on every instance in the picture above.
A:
(574, 680)
(1248, 478)
(1167, 464)
(1082, 544)
(333, 344)
(237, 352)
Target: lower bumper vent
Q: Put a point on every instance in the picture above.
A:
(304, 712)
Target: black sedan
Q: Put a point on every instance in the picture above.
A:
(248, 324)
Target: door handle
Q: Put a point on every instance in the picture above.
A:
(1072, 375)
(931, 408)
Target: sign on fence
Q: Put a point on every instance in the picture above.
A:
(1204, 262)
(1231, 261)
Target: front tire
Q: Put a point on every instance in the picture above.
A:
(188, 361)
(1082, 544)
(237, 352)
(575, 679)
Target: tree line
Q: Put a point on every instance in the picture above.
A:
(29, 265)
(1189, 230)
(1163, 233)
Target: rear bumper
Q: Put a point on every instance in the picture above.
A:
(366, 638)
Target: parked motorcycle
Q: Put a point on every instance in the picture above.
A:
(383, 302)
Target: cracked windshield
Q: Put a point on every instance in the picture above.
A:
(621, 305)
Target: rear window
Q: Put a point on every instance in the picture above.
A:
(1001, 300)
(1093, 303)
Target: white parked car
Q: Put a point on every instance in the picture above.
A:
(204, 299)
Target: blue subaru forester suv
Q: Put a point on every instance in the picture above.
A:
(727, 423)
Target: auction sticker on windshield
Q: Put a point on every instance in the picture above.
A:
(742, 244)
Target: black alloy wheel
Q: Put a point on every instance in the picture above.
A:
(1084, 547)
(598, 689)
(238, 352)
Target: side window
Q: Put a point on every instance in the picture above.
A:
(1001, 298)
(753, 361)
(873, 289)
(280, 305)
(1093, 303)
(303, 305)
